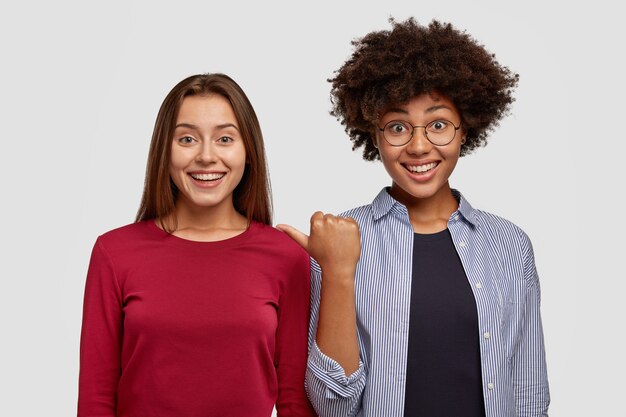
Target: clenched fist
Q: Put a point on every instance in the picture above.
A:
(334, 242)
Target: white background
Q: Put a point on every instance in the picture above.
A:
(81, 84)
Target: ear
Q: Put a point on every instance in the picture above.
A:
(463, 136)
(374, 139)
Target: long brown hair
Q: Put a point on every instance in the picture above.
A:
(251, 197)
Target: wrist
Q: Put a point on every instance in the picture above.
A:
(338, 268)
(338, 279)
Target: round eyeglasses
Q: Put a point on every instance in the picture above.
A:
(438, 132)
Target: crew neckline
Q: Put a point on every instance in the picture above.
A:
(429, 237)
(231, 241)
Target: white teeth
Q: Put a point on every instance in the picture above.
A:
(208, 177)
(421, 168)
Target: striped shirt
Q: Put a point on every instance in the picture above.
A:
(498, 260)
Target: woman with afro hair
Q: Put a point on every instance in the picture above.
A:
(436, 311)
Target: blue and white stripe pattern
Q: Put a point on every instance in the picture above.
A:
(498, 260)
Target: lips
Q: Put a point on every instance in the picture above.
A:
(207, 177)
(420, 168)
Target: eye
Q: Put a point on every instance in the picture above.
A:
(225, 139)
(438, 125)
(396, 128)
(186, 140)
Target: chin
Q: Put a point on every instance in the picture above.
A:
(418, 192)
(422, 194)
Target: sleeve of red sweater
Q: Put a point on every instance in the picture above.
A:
(101, 338)
(291, 342)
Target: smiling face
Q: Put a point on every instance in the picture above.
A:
(208, 155)
(419, 169)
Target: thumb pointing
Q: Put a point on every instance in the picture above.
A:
(300, 238)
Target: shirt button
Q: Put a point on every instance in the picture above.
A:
(490, 386)
(462, 244)
(456, 217)
(479, 285)
(487, 335)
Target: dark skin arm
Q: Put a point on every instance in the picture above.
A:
(334, 242)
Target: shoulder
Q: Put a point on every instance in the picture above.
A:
(275, 241)
(128, 230)
(499, 226)
(510, 242)
(121, 247)
(506, 236)
(127, 237)
(273, 250)
(361, 214)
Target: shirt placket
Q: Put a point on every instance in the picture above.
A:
(467, 244)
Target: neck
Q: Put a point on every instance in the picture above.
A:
(428, 214)
(207, 223)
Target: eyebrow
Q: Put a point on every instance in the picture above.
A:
(396, 110)
(192, 126)
(437, 107)
(431, 109)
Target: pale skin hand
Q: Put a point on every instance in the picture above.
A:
(335, 244)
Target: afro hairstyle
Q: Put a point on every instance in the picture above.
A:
(391, 66)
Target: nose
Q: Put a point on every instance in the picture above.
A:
(419, 144)
(206, 153)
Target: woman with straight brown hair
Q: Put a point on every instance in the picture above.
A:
(200, 307)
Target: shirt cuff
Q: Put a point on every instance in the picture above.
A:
(333, 375)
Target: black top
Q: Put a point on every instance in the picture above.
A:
(443, 366)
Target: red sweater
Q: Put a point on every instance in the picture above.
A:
(176, 328)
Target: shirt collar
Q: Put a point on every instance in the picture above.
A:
(465, 208)
(384, 203)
